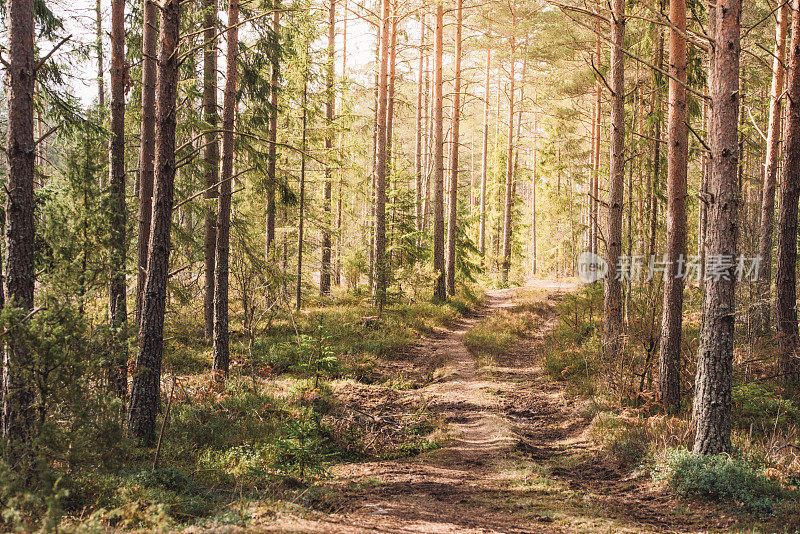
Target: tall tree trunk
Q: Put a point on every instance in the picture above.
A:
(786, 275)
(712, 402)
(147, 147)
(101, 68)
(330, 110)
(453, 211)
(533, 197)
(669, 358)
(770, 173)
(145, 390)
(612, 302)
(210, 158)
(509, 196)
(337, 276)
(302, 200)
(485, 156)
(381, 163)
(273, 132)
(118, 309)
(594, 215)
(418, 137)
(18, 409)
(221, 337)
(439, 289)
(652, 191)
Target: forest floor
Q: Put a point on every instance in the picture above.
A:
(515, 456)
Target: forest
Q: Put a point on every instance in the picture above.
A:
(379, 266)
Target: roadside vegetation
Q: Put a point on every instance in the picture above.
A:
(228, 452)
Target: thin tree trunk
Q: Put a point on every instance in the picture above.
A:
(273, 134)
(221, 332)
(337, 277)
(612, 302)
(381, 163)
(669, 358)
(302, 204)
(147, 147)
(786, 275)
(712, 402)
(418, 137)
(509, 196)
(594, 216)
(18, 400)
(654, 187)
(439, 292)
(118, 309)
(145, 390)
(453, 211)
(770, 173)
(101, 68)
(484, 156)
(330, 111)
(210, 158)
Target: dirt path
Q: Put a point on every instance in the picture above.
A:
(516, 459)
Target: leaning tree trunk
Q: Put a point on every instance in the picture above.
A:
(381, 164)
(273, 134)
(221, 345)
(118, 309)
(439, 292)
(762, 318)
(509, 194)
(669, 358)
(786, 275)
(145, 390)
(330, 106)
(146, 146)
(594, 204)
(712, 402)
(453, 213)
(210, 158)
(612, 302)
(484, 156)
(18, 400)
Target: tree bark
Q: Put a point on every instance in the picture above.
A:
(762, 318)
(118, 309)
(612, 302)
(145, 390)
(273, 133)
(712, 403)
(18, 410)
(419, 123)
(594, 215)
(669, 359)
(439, 289)
(210, 158)
(381, 163)
(221, 337)
(453, 211)
(302, 199)
(786, 275)
(485, 156)
(509, 194)
(101, 68)
(147, 146)
(330, 107)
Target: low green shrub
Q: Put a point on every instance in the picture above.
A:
(720, 478)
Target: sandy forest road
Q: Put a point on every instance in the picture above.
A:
(516, 461)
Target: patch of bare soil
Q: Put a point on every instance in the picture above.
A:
(515, 460)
